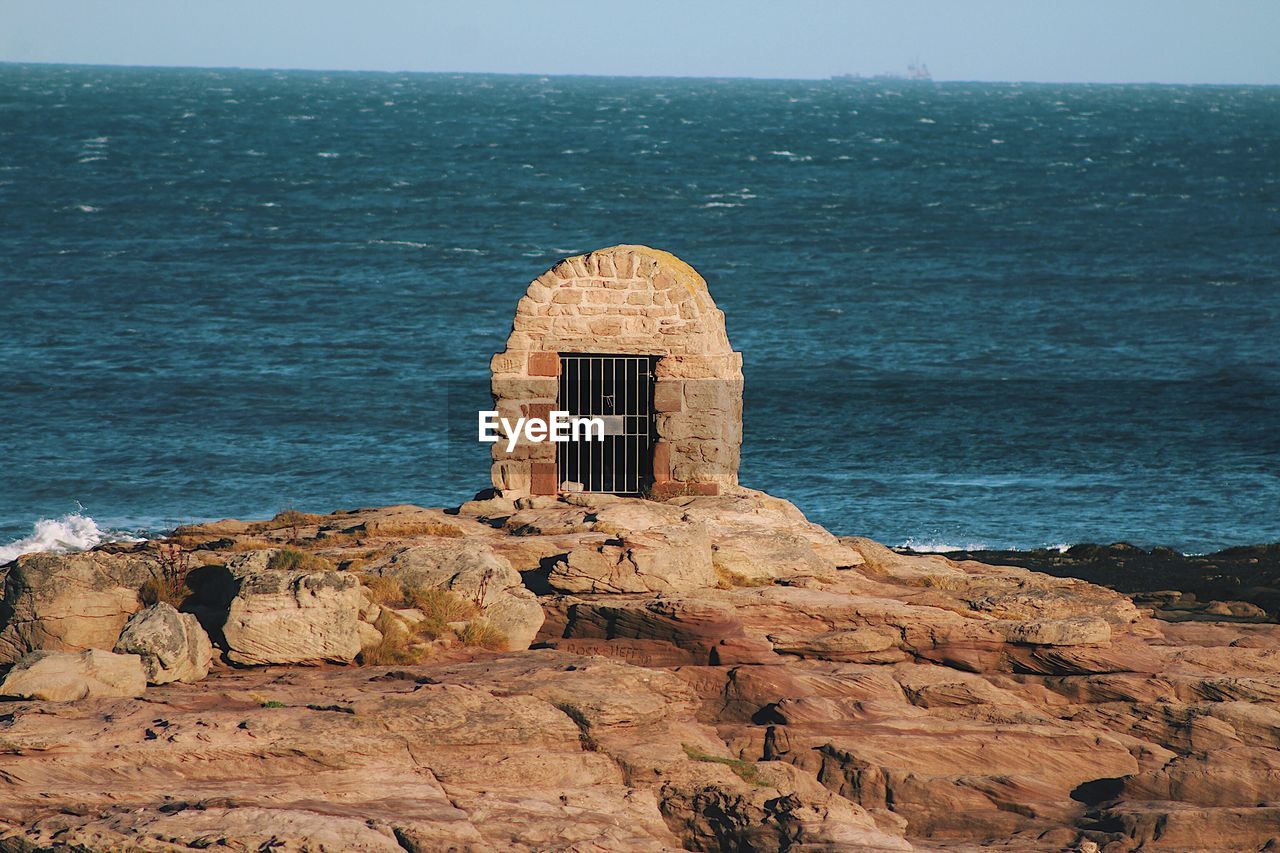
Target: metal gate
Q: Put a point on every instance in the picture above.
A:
(619, 390)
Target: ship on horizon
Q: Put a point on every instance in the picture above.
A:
(916, 72)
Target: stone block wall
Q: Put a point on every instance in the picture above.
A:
(626, 300)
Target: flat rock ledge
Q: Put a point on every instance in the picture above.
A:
(601, 673)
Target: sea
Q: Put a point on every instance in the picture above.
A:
(972, 314)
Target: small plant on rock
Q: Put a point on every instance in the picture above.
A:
(169, 586)
(439, 607)
(480, 634)
(442, 612)
(291, 559)
(384, 590)
(583, 723)
(398, 646)
(744, 770)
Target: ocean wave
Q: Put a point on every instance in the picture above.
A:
(935, 547)
(411, 244)
(75, 531)
(942, 547)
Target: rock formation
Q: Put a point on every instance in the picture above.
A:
(70, 676)
(172, 645)
(706, 673)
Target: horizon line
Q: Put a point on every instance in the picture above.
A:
(854, 77)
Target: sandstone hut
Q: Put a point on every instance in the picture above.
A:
(631, 335)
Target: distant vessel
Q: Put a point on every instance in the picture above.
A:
(919, 71)
(916, 71)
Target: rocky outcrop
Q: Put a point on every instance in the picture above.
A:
(273, 616)
(712, 673)
(659, 559)
(69, 602)
(475, 573)
(68, 676)
(540, 750)
(172, 645)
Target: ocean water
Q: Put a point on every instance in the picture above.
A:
(972, 314)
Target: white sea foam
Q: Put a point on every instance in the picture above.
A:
(75, 531)
(408, 243)
(935, 547)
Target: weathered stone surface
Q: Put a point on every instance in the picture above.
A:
(845, 696)
(276, 616)
(69, 676)
(593, 756)
(69, 602)
(1074, 631)
(476, 573)
(763, 557)
(172, 645)
(658, 559)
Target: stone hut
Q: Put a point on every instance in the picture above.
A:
(631, 335)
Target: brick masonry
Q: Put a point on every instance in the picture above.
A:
(626, 300)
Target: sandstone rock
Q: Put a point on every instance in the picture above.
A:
(863, 699)
(475, 572)
(275, 616)
(69, 676)
(69, 602)
(1077, 631)
(854, 644)
(762, 557)
(172, 645)
(667, 559)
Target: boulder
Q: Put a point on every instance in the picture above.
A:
(275, 616)
(68, 676)
(69, 602)
(172, 645)
(475, 572)
(669, 559)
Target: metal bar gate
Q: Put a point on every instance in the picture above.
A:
(619, 390)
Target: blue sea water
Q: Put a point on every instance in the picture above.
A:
(972, 314)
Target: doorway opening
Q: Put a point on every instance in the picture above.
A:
(618, 389)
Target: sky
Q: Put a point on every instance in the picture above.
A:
(1167, 41)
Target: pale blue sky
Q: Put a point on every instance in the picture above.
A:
(1197, 41)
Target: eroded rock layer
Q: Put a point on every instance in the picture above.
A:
(708, 673)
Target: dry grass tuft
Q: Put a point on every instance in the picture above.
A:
(480, 634)
(291, 559)
(241, 545)
(398, 646)
(294, 518)
(392, 528)
(383, 590)
(289, 519)
(169, 585)
(159, 590)
(441, 610)
(439, 607)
